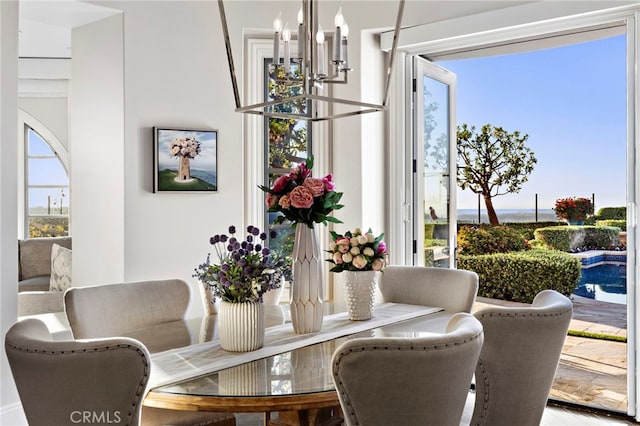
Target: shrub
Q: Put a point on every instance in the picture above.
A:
(573, 208)
(570, 238)
(473, 240)
(612, 213)
(519, 276)
(618, 223)
(428, 230)
(605, 213)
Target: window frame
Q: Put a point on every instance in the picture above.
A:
(26, 122)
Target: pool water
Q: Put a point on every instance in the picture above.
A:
(606, 282)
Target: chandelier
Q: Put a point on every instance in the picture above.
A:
(302, 75)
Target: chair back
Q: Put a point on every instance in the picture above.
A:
(521, 351)
(408, 381)
(115, 309)
(454, 290)
(66, 382)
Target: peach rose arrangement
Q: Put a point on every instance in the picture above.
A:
(302, 198)
(357, 251)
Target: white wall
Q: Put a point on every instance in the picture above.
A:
(96, 116)
(10, 412)
(51, 112)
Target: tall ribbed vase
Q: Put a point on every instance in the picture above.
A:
(305, 295)
(241, 326)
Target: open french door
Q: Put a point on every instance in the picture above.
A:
(434, 164)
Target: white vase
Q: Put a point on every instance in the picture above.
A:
(272, 297)
(360, 289)
(305, 293)
(211, 303)
(241, 326)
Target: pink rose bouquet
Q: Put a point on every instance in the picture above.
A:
(355, 251)
(302, 198)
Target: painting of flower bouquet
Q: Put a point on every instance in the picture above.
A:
(185, 160)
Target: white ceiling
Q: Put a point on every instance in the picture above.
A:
(45, 25)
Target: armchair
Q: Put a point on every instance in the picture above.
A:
(521, 351)
(59, 381)
(408, 381)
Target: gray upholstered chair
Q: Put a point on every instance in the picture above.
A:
(408, 381)
(521, 351)
(121, 309)
(60, 381)
(454, 290)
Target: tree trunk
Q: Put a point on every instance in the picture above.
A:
(491, 212)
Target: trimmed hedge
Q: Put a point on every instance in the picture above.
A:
(612, 213)
(525, 229)
(473, 240)
(618, 223)
(605, 213)
(568, 238)
(519, 276)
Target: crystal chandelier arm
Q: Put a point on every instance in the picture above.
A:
(227, 42)
(392, 57)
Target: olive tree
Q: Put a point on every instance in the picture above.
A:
(493, 162)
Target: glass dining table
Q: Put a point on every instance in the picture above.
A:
(295, 383)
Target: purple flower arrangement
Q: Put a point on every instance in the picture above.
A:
(245, 269)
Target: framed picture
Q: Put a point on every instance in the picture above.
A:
(185, 160)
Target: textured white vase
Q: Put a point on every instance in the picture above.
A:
(360, 289)
(305, 294)
(241, 326)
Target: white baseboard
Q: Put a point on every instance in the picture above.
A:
(12, 415)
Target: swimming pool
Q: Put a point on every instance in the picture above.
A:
(606, 282)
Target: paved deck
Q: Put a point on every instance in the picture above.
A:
(591, 372)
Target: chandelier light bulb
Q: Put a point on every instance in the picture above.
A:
(277, 23)
(300, 16)
(320, 36)
(277, 27)
(345, 30)
(339, 18)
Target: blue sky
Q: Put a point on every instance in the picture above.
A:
(571, 101)
(207, 158)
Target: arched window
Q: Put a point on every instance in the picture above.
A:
(46, 186)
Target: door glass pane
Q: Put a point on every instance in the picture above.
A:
(288, 143)
(435, 172)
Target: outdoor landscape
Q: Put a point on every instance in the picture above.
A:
(556, 217)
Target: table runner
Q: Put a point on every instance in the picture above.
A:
(189, 362)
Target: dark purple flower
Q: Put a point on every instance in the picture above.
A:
(273, 234)
(257, 248)
(243, 245)
(266, 251)
(223, 238)
(250, 238)
(224, 267)
(263, 236)
(232, 229)
(249, 247)
(255, 231)
(249, 229)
